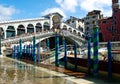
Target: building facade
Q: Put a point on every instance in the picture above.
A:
(110, 27)
(76, 23)
(90, 20)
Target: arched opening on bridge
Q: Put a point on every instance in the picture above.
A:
(80, 28)
(64, 27)
(46, 26)
(38, 27)
(30, 28)
(79, 34)
(20, 30)
(56, 22)
(74, 32)
(1, 33)
(70, 29)
(10, 32)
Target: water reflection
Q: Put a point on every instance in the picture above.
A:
(13, 72)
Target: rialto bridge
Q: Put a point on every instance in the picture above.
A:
(43, 28)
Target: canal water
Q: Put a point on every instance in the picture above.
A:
(14, 72)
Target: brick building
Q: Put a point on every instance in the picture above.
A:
(109, 28)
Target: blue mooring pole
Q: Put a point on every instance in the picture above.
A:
(75, 55)
(38, 53)
(56, 50)
(20, 42)
(15, 52)
(96, 47)
(109, 60)
(34, 49)
(65, 54)
(89, 55)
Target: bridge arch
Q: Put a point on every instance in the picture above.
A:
(74, 32)
(64, 27)
(20, 30)
(56, 21)
(70, 29)
(10, 32)
(46, 26)
(80, 28)
(30, 28)
(38, 27)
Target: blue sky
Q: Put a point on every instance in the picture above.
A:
(22, 9)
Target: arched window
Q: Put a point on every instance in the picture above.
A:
(80, 28)
(10, 32)
(70, 29)
(74, 32)
(46, 26)
(79, 34)
(38, 27)
(20, 30)
(64, 27)
(30, 28)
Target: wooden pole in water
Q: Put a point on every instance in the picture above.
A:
(109, 60)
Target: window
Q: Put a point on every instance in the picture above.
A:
(104, 22)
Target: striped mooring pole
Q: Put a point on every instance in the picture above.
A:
(75, 55)
(96, 47)
(38, 53)
(109, 60)
(89, 55)
(20, 42)
(65, 52)
(56, 50)
(34, 49)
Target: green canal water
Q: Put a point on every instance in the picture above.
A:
(12, 72)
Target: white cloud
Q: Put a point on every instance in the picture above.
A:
(103, 5)
(7, 12)
(68, 5)
(52, 10)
